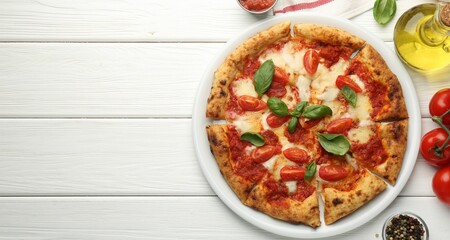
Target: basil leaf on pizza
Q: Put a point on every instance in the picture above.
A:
(310, 170)
(292, 124)
(254, 138)
(349, 94)
(336, 144)
(263, 77)
(317, 111)
(298, 110)
(278, 107)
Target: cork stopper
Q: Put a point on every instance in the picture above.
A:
(445, 14)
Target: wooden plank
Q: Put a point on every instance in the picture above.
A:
(141, 20)
(170, 218)
(117, 157)
(117, 80)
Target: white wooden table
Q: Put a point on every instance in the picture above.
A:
(95, 122)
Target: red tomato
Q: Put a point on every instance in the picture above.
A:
(276, 90)
(249, 103)
(332, 172)
(309, 123)
(441, 185)
(341, 81)
(440, 103)
(311, 61)
(275, 121)
(263, 153)
(292, 173)
(339, 125)
(297, 155)
(432, 140)
(280, 76)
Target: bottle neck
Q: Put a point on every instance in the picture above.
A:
(436, 30)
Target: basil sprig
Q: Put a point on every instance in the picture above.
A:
(254, 138)
(384, 11)
(349, 94)
(292, 124)
(278, 107)
(310, 171)
(317, 111)
(298, 110)
(263, 77)
(336, 144)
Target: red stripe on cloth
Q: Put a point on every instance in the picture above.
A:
(301, 6)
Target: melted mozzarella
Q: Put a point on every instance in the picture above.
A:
(330, 94)
(361, 135)
(270, 163)
(363, 108)
(291, 185)
(289, 98)
(303, 85)
(326, 77)
(249, 122)
(264, 120)
(287, 58)
(244, 87)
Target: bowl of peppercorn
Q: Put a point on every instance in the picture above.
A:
(405, 226)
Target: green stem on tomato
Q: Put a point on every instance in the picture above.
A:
(438, 120)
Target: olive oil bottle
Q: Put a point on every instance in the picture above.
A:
(421, 36)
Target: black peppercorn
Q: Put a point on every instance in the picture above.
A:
(404, 227)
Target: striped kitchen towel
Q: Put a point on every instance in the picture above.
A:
(342, 8)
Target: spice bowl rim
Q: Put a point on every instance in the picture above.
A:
(257, 12)
(389, 219)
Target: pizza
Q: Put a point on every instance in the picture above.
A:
(311, 114)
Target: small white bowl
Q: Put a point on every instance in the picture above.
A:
(412, 215)
(258, 12)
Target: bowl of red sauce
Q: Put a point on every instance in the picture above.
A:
(257, 6)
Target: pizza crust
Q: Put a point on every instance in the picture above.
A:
(380, 72)
(328, 35)
(306, 212)
(219, 94)
(339, 204)
(218, 141)
(394, 138)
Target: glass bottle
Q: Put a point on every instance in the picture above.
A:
(421, 36)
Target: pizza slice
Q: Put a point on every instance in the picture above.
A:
(345, 188)
(380, 147)
(286, 195)
(234, 65)
(379, 84)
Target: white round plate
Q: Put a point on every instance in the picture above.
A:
(360, 216)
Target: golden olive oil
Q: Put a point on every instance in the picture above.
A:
(421, 41)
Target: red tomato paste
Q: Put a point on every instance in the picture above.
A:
(257, 5)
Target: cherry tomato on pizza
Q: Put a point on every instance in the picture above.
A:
(280, 76)
(262, 154)
(292, 173)
(430, 148)
(297, 155)
(249, 103)
(441, 185)
(342, 80)
(439, 104)
(332, 172)
(275, 121)
(311, 61)
(339, 125)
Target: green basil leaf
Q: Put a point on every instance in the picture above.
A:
(263, 77)
(310, 171)
(278, 107)
(349, 94)
(317, 111)
(336, 144)
(292, 124)
(254, 138)
(384, 11)
(298, 110)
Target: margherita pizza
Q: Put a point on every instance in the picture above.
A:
(314, 114)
